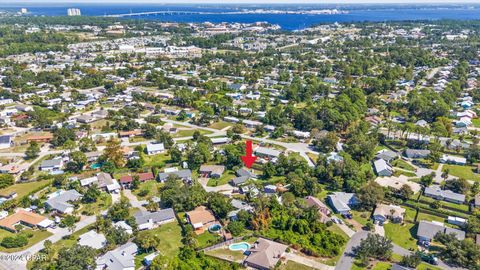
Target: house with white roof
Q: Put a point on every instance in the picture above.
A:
(155, 148)
(121, 258)
(92, 239)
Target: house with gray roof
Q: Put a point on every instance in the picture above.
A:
(92, 239)
(61, 201)
(185, 175)
(5, 141)
(416, 153)
(341, 202)
(265, 152)
(382, 168)
(386, 155)
(436, 192)
(121, 258)
(428, 229)
(150, 220)
(51, 165)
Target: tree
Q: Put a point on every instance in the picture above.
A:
(411, 261)
(91, 195)
(219, 204)
(374, 246)
(405, 192)
(175, 154)
(370, 194)
(147, 241)
(87, 145)
(113, 153)
(116, 236)
(427, 180)
(32, 151)
(6, 180)
(119, 211)
(78, 161)
(62, 135)
(326, 143)
(76, 258)
(236, 228)
(69, 222)
(459, 185)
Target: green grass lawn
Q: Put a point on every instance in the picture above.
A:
(426, 266)
(38, 235)
(103, 202)
(170, 235)
(224, 179)
(361, 217)
(291, 265)
(382, 266)
(151, 186)
(207, 239)
(23, 189)
(189, 132)
(428, 217)
(402, 235)
(226, 253)
(156, 160)
(220, 125)
(466, 172)
(400, 163)
(476, 122)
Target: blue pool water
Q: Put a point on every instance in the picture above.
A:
(215, 228)
(96, 166)
(243, 246)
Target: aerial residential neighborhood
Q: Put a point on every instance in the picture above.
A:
(131, 141)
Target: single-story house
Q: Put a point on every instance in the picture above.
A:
(264, 254)
(428, 229)
(201, 218)
(416, 153)
(386, 155)
(5, 141)
(185, 175)
(342, 201)
(123, 225)
(149, 220)
(25, 218)
(436, 192)
(457, 221)
(383, 168)
(155, 148)
(383, 212)
(121, 258)
(264, 152)
(453, 159)
(239, 205)
(51, 165)
(59, 201)
(126, 180)
(92, 239)
(213, 171)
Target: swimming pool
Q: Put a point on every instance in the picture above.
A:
(243, 246)
(96, 166)
(215, 228)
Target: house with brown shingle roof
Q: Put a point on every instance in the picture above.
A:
(264, 254)
(126, 180)
(25, 218)
(201, 218)
(214, 171)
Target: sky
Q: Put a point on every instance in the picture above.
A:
(245, 1)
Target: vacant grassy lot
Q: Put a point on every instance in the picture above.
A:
(150, 188)
(291, 265)
(466, 172)
(403, 165)
(171, 238)
(156, 160)
(207, 239)
(220, 125)
(23, 189)
(402, 235)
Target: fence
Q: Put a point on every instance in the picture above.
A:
(222, 244)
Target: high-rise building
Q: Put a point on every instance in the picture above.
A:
(74, 12)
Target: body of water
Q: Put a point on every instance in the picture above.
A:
(356, 13)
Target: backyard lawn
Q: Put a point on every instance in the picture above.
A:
(207, 239)
(149, 188)
(466, 172)
(102, 203)
(224, 179)
(291, 265)
(403, 165)
(23, 189)
(171, 238)
(227, 254)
